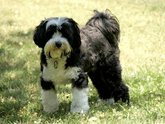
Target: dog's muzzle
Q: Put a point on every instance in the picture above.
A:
(57, 49)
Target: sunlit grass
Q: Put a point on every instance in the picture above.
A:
(142, 58)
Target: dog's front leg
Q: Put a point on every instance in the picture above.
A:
(80, 91)
(49, 100)
(49, 96)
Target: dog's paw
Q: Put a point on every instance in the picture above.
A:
(49, 109)
(79, 109)
(80, 101)
(106, 101)
(49, 101)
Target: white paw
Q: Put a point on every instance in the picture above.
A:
(107, 101)
(80, 101)
(80, 109)
(49, 109)
(49, 101)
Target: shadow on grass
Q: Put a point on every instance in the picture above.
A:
(15, 76)
(10, 45)
(62, 113)
(93, 101)
(15, 95)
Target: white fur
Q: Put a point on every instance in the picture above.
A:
(108, 101)
(51, 47)
(80, 100)
(59, 75)
(56, 21)
(49, 100)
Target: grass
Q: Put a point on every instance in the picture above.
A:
(142, 57)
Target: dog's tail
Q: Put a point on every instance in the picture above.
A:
(108, 24)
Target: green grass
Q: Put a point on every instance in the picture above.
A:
(142, 57)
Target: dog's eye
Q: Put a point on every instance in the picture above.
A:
(49, 34)
(51, 31)
(66, 32)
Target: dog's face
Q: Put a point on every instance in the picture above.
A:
(58, 37)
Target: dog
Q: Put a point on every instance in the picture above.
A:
(71, 54)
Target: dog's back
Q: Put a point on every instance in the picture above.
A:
(99, 38)
(107, 24)
(100, 57)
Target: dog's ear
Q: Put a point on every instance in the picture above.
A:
(76, 34)
(39, 34)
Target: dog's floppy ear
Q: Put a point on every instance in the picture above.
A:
(39, 34)
(76, 32)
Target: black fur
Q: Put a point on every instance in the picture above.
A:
(39, 34)
(43, 60)
(100, 54)
(46, 85)
(107, 24)
(81, 82)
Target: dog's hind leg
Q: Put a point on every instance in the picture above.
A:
(111, 74)
(105, 93)
(108, 81)
(80, 91)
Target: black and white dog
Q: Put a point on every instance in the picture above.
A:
(70, 55)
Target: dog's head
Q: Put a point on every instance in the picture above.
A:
(57, 36)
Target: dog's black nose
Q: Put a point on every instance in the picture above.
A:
(58, 44)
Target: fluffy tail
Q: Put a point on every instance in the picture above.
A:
(107, 24)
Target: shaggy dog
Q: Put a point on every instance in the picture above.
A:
(71, 54)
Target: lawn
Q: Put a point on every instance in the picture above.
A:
(142, 47)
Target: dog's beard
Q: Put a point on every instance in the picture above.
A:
(53, 51)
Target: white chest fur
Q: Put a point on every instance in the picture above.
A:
(56, 72)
